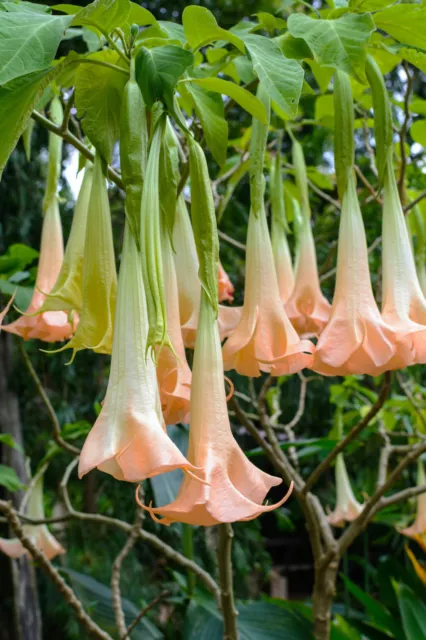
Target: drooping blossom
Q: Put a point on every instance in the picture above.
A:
(307, 307)
(280, 249)
(417, 531)
(403, 303)
(189, 287)
(173, 372)
(226, 288)
(356, 339)
(232, 488)
(347, 507)
(129, 440)
(95, 327)
(66, 295)
(39, 534)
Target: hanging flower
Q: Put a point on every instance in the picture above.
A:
(356, 340)
(404, 305)
(347, 507)
(39, 534)
(173, 372)
(189, 287)
(226, 288)
(129, 440)
(307, 308)
(232, 488)
(95, 328)
(417, 531)
(66, 295)
(279, 229)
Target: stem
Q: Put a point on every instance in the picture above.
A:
(143, 613)
(115, 47)
(224, 560)
(322, 599)
(188, 551)
(103, 64)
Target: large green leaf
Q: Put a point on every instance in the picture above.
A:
(23, 295)
(413, 613)
(201, 28)
(378, 613)
(98, 94)
(105, 15)
(244, 98)
(281, 76)
(363, 6)
(17, 100)
(210, 110)
(418, 132)
(9, 479)
(28, 42)
(340, 44)
(405, 23)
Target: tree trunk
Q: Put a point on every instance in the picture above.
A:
(26, 605)
(324, 592)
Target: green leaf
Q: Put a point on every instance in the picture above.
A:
(413, 613)
(140, 16)
(281, 77)
(98, 95)
(6, 438)
(405, 23)
(201, 28)
(17, 100)
(377, 611)
(244, 98)
(25, 6)
(28, 44)
(418, 132)
(417, 58)
(17, 257)
(340, 44)
(9, 479)
(23, 295)
(210, 110)
(105, 15)
(361, 6)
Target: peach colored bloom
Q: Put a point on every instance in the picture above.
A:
(417, 531)
(403, 305)
(48, 326)
(307, 308)
(189, 287)
(173, 372)
(347, 507)
(226, 288)
(129, 440)
(264, 339)
(356, 339)
(39, 534)
(232, 488)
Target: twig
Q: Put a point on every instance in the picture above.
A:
(78, 144)
(367, 184)
(410, 397)
(413, 203)
(144, 611)
(230, 240)
(53, 417)
(109, 65)
(402, 496)
(354, 433)
(224, 560)
(67, 112)
(69, 596)
(301, 407)
(385, 453)
(371, 248)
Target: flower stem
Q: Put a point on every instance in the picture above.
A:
(229, 610)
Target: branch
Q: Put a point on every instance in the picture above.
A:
(371, 248)
(224, 560)
(78, 144)
(411, 398)
(144, 611)
(231, 241)
(354, 433)
(69, 596)
(67, 112)
(412, 204)
(53, 417)
(401, 496)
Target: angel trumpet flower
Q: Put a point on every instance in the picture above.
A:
(129, 440)
(307, 308)
(347, 507)
(404, 305)
(226, 288)
(417, 531)
(356, 339)
(189, 287)
(173, 372)
(231, 488)
(280, 248)
(95, 328)
(66, 295)
(39, 534)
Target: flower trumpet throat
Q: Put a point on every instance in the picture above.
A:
(129, 440)
(232, 488)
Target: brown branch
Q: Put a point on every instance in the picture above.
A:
(410, 397)
(354, 433)
(224, 561)
(69, 596)
(367, 184)
(52, 414)
(231, 241)
(413, 203)
(144, 611)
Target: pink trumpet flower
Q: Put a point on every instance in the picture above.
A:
(226, 288)
(49, 326)
(173, 372)
(189, 287)
(404, 305)
(129, 439)
(232, 488)
(417, 531)
(39, 534)
(347, 507)
(356, 339)
(307, 308)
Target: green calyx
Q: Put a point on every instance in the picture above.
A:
(344, 145)
(55, 155)
(259, 138)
